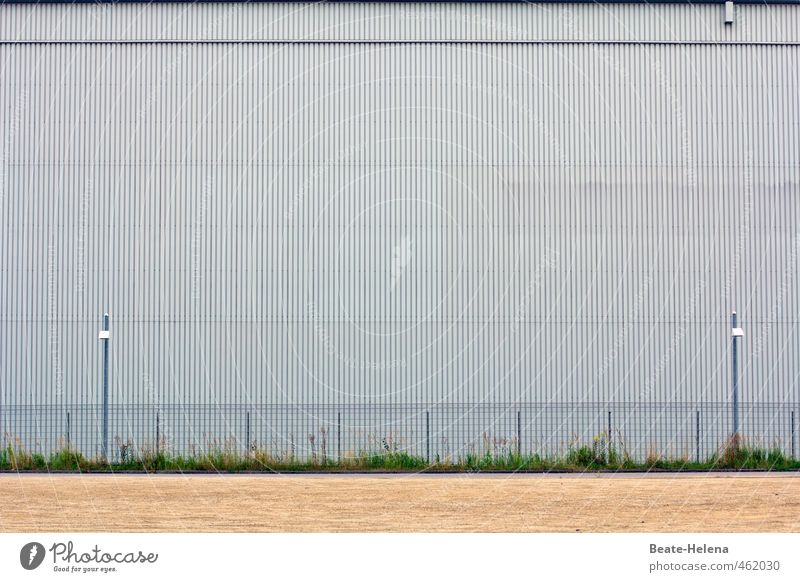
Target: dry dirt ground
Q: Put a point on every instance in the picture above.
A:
(455, 503)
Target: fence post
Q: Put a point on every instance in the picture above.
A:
(339, 435)
(793, 435)
(428, 435)
(697, 436)
(247, 431)
(158, 434)
(609, 433)
(519, 433)
(69, 441)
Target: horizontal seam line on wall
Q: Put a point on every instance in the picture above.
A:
(405, 41)
(149, 163)
(463, 404)
(434, 321)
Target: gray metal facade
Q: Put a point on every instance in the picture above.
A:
(396, 204)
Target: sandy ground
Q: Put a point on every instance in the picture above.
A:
(516, 503)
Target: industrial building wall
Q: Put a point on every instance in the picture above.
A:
(561, 21)
(506, 203)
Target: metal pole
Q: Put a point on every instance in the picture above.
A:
(247, 442)
(793, 434)
(697, 438)
(609, 432)
(519, 433)
(158, 434)
(105, 389)
(428, 435)
(339, 435)
(69, 443)
(735, 385)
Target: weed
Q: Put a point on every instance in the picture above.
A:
(496, 455)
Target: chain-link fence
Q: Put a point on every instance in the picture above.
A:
(441, 432)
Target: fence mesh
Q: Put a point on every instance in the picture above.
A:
(439, 433)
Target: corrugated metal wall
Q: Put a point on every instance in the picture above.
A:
(400, 21)
(344, 223)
